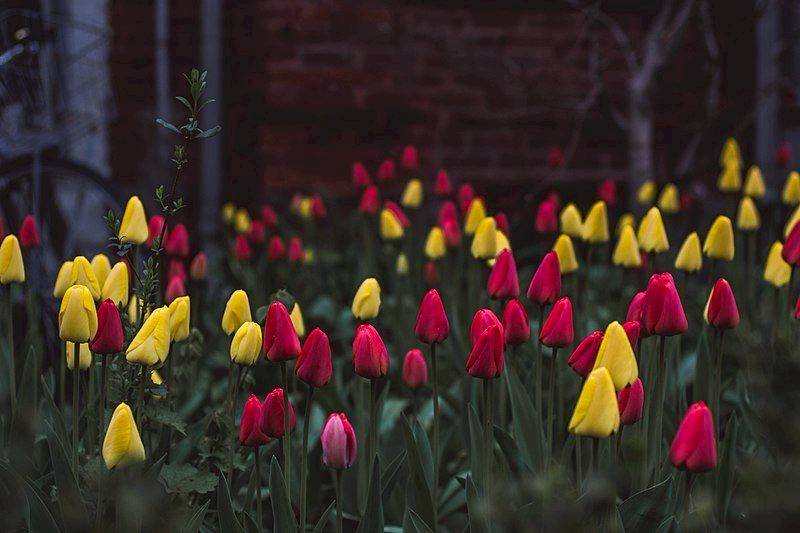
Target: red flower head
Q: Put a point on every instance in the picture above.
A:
(432, 325)
(257, 233)
(663, 311)
(177, 243)
(783, 154)
(483, 319)
(415, 369)
(695, 445)
(633, 329)
(296, 254)
(273, 417)
(582, 358)
(516, 326)
(370, 200)
(410, 159)
(721, 310)
(177, 269)
(29, 233)
(546, 218)
(154, 226)
(398, 212)
(465, 196)
(268, 216)
(250, 433)
(487, 358)
(175, 289)
(431, 274)
(557, 328)
(338, 439)
(199, 267)
(791, 248)
(503, 280)
(370, 359)
(501, 221)
(545, 285)
(452, 233)
(631, 403)
(110, 337)
(276, 250)
(241, 248)
(387, 172)
(443, 185)
(314, 364)
(318, 209)
(360, 175)
(448, 212)
(607, 192)
(555, 156)
(280, 339)
(636, 313)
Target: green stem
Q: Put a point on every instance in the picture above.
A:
(551, 403)
(436, 451)
(487, 435)
(232, 417)
(718, 383)
(76, 385)
(62, 377)
(12, 373)
(578, 464)
(259, 513)
(140, 405)
(373, 420)
(337, 475)
(287, 441)
(660, 398)
(103, 394)
(304, 460)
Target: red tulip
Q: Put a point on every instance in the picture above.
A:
(431, 325)
(633, 329)
(483, 319)
(783, 154)
(257, 233)
(370, 359)
(318, 209)
(584, 355)
(314, 363)
(557, 329)
(280, 339)
(370, 200)
(607, 192)
(503, 280)
(276, 250)
(175, 289)
(338, 439)
(154, 227)
(177, 243)
(29, 233)
(296, 254)
(487, 358)
(465, 196)
(177, 269)
(636, 313)
(695, 445)
(387, 172)
(398, 212)
(791, 248)
(631, 403)
(431, 274)
(410, 159)
(268, 216)
(443, 185)
(797, 309)
(555, 156)
(516, 326)
(360, 175)
(545, 285)
(199, 267)
(546, 218)
(663, 311)
(452, 233)
(415, 369)
(448, 212)
(501, 221)
(250, 433)
(110, 337)
(721, 310)
(241, 248)
(273, 417)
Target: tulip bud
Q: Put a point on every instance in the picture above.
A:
(595, 228)
(246, 344)
(545, 286)
(501, 244)
(447, 212)
(84, 356)
(198, 269)
(228, 212)
(370, 200)
(101, 266)
(466, 194)
(313, 366)
(401, 265)
(484, 242)
(487, 358)
(77, 317)
(626, 252)
(777, 271)
(177, 243)
(596, 413)
(133, 227)
(483, 319)
(516, 326)
(179, 318)
(338, 439)
(452, 235)
(398, 212)
(626, 219)
(567, 261)
(443, 186)
(280, 339)
(276, 250)
(415, 369)
(109, 337)
(116, 285)
(730, 179)
(633, 329)
(790, 195)
(615, 354)
(367, 300)
(791, 248)
(318, 209)
(652, 234)
(370, 359)
(250, 433)
(721, 311)
(296, 254)
(646, 192)
(237, 312)
(241, 221)
(431, 274)
(583, 357)
(694, 447)
(571, 223)
(29, 233)
(154, 227)
(360, 175)
(669, 201)
(730, 156)
(410, 159)
(63, 280)
(122, 445)
(412, 194)
(273, 416)
(797, 309)
(386, 170)
(631, 403)
(151, 343)
(754, 183)
(557, 329)
(431, 325)
(607, 192)
(719, 241)
(747, 217)
(297, 320)
(435, 247)
(241, 248)
(503, 281)
(175, 289)
(690, 258)
(83, 274)
(268, 216)
(663, 310)
(546, 220)
(390, 228)
(475, 214)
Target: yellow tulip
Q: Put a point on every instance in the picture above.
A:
(401, 265)
(150, 346)
(777, 271)
(77, 316)
(652, 234)
(179, 318)
(83, 274)
(626, 252)
(626, 219)
(116, 285)
(228, 212)
(297, 320)
(237, 312)
(731, 156)
(646, 192)
(502, 242)
(308, 255)
(435, 246)
(246, 344)
(719, 240)
(730, 179)
(567, 261)
(597, 412)
(84, 356)
(133, 310)
(595, 227)
(133, 227)
(412, 194)
(241, 221)
(101, 267)
(475, 214)
(791, 189)
(484, 242)
(690, 258)
(787, 229)
(367, 301)
(570, 221)
(754, 183)
(12, 268)
(63, 280)
(747, 217)
(305, 208)
(616, 355)
(122, 445)
(390, 228)
(669, 201)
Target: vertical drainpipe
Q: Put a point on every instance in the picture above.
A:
(767, 97)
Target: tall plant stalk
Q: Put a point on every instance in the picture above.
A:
(287, 441)
(76, 385)
(304, 460)
(436, 452)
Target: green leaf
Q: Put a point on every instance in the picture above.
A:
(73, 510)
(165, 124)
(475, 444)
(186, 479)
(526, 422)
(283, 515)
(372, 521)
(196, 520)
(389, 476)
(425, 452)
(726, 470)
(645, 510)
(419, 523)
(477, 523)
(227, 518)
(166, 417)
(423, 498)
(323, 520)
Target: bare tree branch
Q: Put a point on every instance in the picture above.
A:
(617, 32)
